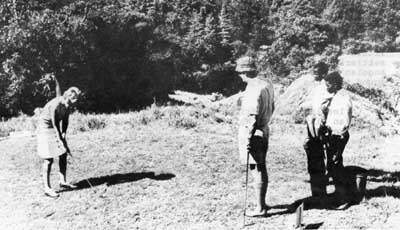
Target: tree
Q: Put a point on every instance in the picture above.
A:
(299, 34)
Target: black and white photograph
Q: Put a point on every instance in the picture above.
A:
(190, 114)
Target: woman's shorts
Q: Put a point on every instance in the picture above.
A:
(48, 144)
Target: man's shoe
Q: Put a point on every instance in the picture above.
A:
(258, 213)
(344, 206)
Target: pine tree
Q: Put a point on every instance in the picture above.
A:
(225, 24)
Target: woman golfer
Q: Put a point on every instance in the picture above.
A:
(51, 141)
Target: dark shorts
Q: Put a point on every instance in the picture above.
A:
(258, 149)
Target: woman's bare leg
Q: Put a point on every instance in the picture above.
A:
(63, 172)
(62, 163)
(46, 169)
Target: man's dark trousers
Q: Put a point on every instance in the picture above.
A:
(314, 148)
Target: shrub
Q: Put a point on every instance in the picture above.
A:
(181, 118)
(299, 117)
(144, 118)
(147, 115)
(185, 121)
(87, 122)
(21, 123)
(4, 133)
(376, 96)
(96, 123)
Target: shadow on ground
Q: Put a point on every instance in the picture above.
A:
(381, 176)
(313, 226)
(353, 196)
(377, 175)
(110, 180)
(383, 191)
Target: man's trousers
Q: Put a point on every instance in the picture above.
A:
(319, 172)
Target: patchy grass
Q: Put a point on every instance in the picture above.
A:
(20, 123)
(154, 169)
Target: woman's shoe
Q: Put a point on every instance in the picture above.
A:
(51, 193)
(68, 185)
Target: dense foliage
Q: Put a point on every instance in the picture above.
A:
(124, 54)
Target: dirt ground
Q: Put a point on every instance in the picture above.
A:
(156, 176)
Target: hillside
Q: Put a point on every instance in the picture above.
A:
(123, 54)
(294, 104)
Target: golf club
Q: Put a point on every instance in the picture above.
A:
(73, 162)
(245, 198)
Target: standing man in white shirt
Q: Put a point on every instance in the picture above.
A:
(327, 128)
(256, 110)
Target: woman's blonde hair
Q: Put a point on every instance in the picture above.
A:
(72, 91)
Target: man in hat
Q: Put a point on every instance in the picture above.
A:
(327, 129)
(256, 110)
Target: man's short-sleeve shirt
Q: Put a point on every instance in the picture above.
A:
(339, 110)
(258, 100)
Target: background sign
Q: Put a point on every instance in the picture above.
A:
(369, 69)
